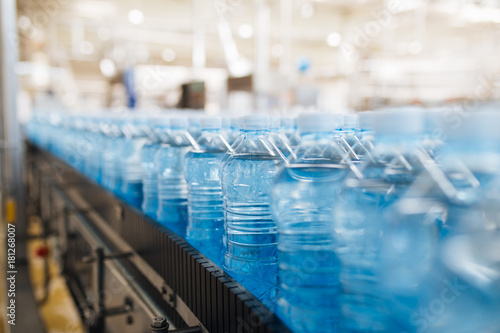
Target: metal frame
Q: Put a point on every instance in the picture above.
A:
(11, 144)
(11, 170)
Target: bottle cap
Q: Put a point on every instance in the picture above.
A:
(241, 122)
(194, 121)
(317, 122)
(178, 122)
(210, 123)
(398, 122)
(433, 119)
(235, 123)
(256, 122)
(225, 122)
(482, 125)
(163, 121)
(339, 121)
(274, 123)
(287, 122)
(350, 121)
(366, 120)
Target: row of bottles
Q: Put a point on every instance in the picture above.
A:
(386, 222)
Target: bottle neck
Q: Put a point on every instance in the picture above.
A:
(461, 147)
(180, 137)
(348, 131)
(318, 148)
(391, 143)
(210, 130)
(255, 132)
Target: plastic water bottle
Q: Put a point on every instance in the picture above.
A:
(135, 138)
(194, 127)
(433, 135)
(359, 220)
(233, 132)
(250, 230)
(279, 140)
(172, 187)
(96, 138)
(365, 135)
(205, 206)
(348, 136)
(84, 144)
(240, 135)
(225, 129)
(55, 124)
(78, 146)
(237, 141)
(158, 130)
(289, 129)
(303, 197)
(458, 287)
(112, 169)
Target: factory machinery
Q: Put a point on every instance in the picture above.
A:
(125, 271)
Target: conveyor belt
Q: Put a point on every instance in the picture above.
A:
(173, 276)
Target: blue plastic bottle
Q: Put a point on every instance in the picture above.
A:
(112, 168)
(194, 126)
(289, 129)
(278, 139)
(78, 146)
(303, 197)
(239, 134)
(225, 129)
(365, 135)
(205, 228)
(135, 138)
(433, 134)
(57, 123)
(233, 132)
(93, 164)
(157, 134)
(84, 146)
(458, 287)
(250, 230)
(105, 128)
(348, 136)
(237, 141)
(383, 177)
(172, 187)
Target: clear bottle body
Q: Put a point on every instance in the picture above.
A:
(250, 231)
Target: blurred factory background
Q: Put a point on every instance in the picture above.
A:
(226, 57)
(234, 55)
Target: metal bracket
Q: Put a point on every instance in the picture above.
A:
(160, 325)
(126, 308)
(100, 312)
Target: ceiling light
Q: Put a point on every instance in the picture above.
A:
(86, 47)
(24, 23)
(245, 31)
(307, 10)
(168, 55)
(334, 39)
(107, 67)
(135, 16)
(415, 47)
